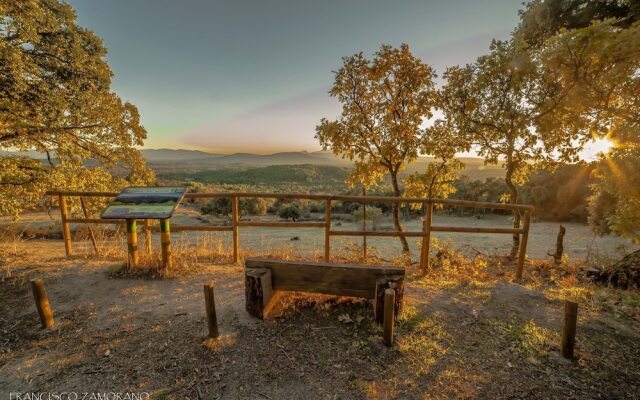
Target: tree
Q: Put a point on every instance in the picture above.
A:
(438, 180)
(290, 212)
(55, 98)
(220, 206)
(496, 104)
(253, 206)
(374, 215)
(544, 19)
(597, 57)
(384, 102)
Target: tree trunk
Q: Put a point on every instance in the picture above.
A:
(557, 257)
(513, 199)
(395, 212)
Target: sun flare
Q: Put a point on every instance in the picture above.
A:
(595, 147)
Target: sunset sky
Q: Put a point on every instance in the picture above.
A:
(253, 76)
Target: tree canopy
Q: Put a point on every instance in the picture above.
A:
(496, 103)
(384, 102)
(593, 49)
(55, 98)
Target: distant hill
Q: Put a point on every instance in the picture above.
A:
(170, 155)
(166, 161)
(270, 175)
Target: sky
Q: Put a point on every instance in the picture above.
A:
(253, 75)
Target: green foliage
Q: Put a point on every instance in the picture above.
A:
(615, 203)
(491, 189)
(55, 98)
(290, 212)
(593, 50)
(253, 206)
(374, 215)
(316, 177)
(560, 194)
(221, 206)
(543, 19)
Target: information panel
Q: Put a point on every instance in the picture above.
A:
(145, 203)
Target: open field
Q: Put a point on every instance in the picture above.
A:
(474, 335)
(580, 242)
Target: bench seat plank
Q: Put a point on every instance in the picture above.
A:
(335, 279)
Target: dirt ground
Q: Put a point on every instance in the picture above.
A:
(465, 338)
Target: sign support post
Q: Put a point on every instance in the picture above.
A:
(165, 240)
(146, 203)
(132, 243)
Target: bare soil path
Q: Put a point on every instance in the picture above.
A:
(481, 340)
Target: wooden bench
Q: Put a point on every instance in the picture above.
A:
(265, 277)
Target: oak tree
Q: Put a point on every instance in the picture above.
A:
(496, 103)
(55, 99)
(384, 102)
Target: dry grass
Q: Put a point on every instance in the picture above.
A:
(464, 332)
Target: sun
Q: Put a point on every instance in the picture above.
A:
(595, 147)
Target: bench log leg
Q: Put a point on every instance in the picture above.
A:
(258, 290)
(395, 282)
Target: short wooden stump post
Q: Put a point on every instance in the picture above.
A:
(165, 241)
(569, 328)
(42, 303)
(258, 290)
(210, 306)
(132, 243)
(389, 318)
(397, 284)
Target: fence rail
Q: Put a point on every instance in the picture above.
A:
(425, 233)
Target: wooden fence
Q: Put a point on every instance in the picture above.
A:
(425, 233)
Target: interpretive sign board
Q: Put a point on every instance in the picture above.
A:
(145, 203)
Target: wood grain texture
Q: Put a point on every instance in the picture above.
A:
(336, 279)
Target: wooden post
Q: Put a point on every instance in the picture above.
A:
(569, 328)
(522, 251)
(147, 235)
(426, 239)
(210, 306)
(364, 226)
(395, 282)
(234, 212)
(165, 241)
(258, 290)
(327, 229)
(42, 302)
(389, 303)
(66, 231)
(91, 235)
(132, 243)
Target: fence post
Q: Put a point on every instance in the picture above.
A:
(426, 238)
(327, 229)
(42, 302)
(91, 235)
(234, 221)
(524, 237)
(364, 226)
(66, 231)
